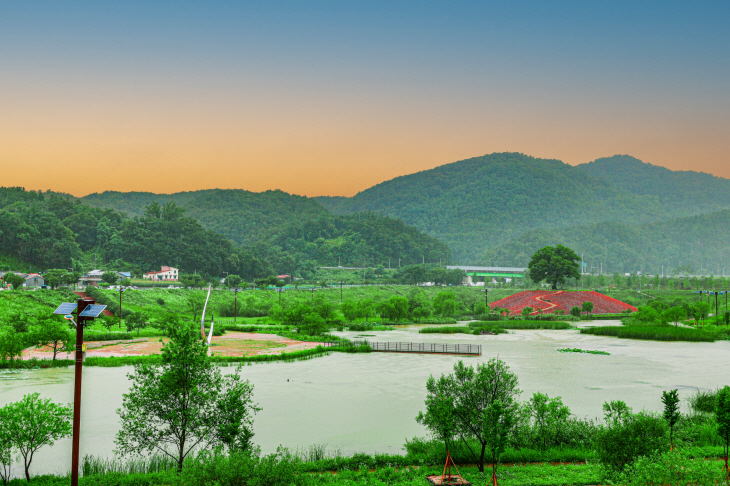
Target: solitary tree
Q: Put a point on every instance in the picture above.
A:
(471, 396)
(136, 320)
(587, 307)
(194, 303)
(673, 314)
(498, 420)
(575, 311)
(51, 332)
(722, 415)
(184, 403)
(671, 412)
(33, 423)
(553, 265)
(526, 311)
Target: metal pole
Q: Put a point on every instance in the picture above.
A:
(80, 306)
(120, 308)
(279, 297)
(340, 291)
(235, 305)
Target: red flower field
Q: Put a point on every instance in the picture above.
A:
(551, 300)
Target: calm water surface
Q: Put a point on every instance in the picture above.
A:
(367, 402)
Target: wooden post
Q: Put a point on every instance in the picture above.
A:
(81, 305)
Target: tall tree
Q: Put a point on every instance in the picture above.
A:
(33, 423)
(480, 400)
(184, 404)
(670, 399)
(553, 265)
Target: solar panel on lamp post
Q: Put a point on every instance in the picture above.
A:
(86, 310)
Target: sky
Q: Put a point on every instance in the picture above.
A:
(332, 97)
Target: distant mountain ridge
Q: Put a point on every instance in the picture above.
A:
(494, 206)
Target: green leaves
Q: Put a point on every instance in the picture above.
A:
(184, 404)
(553, 265)
(33, 423)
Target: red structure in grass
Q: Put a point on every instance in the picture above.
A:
(548, 301)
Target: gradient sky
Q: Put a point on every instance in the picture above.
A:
(329, 98)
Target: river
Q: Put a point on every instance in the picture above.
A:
(368, 402)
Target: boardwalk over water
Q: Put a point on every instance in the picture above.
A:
(427, 348)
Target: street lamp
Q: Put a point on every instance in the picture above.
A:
(341, 282)
(280, 290)
(486, 297)
(86, 310)
(313, 289)
(235, 303)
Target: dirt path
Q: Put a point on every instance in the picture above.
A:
(230, 344)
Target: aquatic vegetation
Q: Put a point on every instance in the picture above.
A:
(578, 350)
(653, 333)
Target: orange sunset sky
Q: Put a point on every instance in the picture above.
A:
(331, 98)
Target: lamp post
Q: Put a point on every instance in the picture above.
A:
(280, 290)
(313, 294)
(341, 282)
(86, 310)
(120, 306)
(235, 303)
(486, 297)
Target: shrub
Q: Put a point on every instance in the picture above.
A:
(672, 468)
(628, 437)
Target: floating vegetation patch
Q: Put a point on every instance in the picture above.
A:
(578, 350)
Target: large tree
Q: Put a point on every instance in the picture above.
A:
(51, 332)
(184, 404)
(33, 423)
(553, 265)
(473, 404)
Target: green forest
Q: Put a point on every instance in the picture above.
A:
(49, 230)
(621, 214)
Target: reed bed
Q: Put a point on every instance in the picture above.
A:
(447, 330)
(654, 333)
(97, 466)
(523, 324)
(578, 350)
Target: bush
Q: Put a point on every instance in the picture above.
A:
(672, 468)
(630, 437)
(240, 468)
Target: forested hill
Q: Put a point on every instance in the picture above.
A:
(690, 244)
(696, 192)
(291, 232)
(483, 202)
(242, 216)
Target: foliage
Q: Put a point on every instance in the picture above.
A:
(554, 265)
(722, 416)
(51, 332)
(578, 350)
(654, 333)
(671, 469)
(14, 279)
(626, 436)
(472, 403)
(33, 423)
(184, 403)
(446, 330)
(671, 414)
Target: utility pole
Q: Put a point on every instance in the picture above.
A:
(120, 307)
(235, 304)
(341, 282)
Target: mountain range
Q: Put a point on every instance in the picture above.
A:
(497, 209)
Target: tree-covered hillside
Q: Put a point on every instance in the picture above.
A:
(483, 202)
(292, 232)
(691, 244)
(687, 192)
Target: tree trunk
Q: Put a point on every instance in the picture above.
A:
(181, 457)
(481, 458)
(555, 286)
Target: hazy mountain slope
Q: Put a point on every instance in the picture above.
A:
(289, 230)
(686, 191)
(482, 202)
(697, 241)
